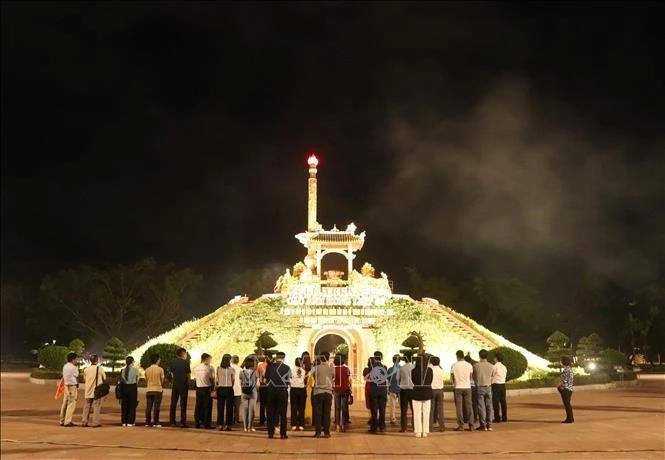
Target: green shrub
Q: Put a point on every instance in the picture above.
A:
(591, 379)
(627, 375)
(611, 357)
(53, 357)
(514, 361)
(166, 351)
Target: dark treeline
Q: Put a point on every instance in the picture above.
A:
(140, 300)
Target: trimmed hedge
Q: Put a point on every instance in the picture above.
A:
(46, 374)
(53, 357)
(167, 353)
(611, 358)
(515, 362)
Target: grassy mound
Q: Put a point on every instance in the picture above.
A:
(233, 330)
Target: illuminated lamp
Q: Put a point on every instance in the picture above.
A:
(312, 161)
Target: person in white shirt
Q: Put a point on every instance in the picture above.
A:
(499, 389)
(298, 396)
(436, 411)
(70, 377)
(237, 390)
(461, 374)
(205, 381)
(94, 376)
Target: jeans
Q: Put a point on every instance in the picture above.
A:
(248, 403)
(68, 407)
(236, 408)
(298, 401)
(341, 408)
(277, 402)
(421, 411)
(499, 402)
(566, 396)
(128, 403)
(474, 408)
(96, 406)
(404, 403)
(393, 401)
(179, 391)
(203, 408)
(485, 412)
(263, 401)
(321, 408)
(153, 399)
(436, 410)
(225, 400)
(462, 405)
(379, 400)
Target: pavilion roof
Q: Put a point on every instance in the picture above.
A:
(336, 237)
(332, 239)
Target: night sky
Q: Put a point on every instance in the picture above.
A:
(466, 138)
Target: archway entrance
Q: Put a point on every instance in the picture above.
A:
(329, 343)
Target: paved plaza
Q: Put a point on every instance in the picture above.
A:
(627, 422)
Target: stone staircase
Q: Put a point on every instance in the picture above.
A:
(461, 328)
(193, 337)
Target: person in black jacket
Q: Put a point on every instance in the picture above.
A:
(379, 381)
(180, 374)
(277, 376)
(421, 395)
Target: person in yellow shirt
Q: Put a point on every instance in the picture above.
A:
(154, 376)
(94, 376)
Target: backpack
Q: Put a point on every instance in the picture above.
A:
(118, 387)
(248, 383)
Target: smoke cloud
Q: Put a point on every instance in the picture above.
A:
(509, 185)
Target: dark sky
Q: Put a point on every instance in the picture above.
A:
(465, 138)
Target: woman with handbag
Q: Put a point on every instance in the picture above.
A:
(225, 398)
(129, 377)
(94, 377)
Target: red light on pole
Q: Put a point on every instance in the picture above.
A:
(312, 161)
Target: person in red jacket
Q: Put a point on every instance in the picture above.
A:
(341, 391)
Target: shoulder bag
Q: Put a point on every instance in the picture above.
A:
(102, 389)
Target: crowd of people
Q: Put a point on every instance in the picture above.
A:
(312, 387)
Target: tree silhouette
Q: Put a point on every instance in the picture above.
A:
(264, 344)
(114, 353)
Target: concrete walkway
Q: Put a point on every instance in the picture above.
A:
(616, 423)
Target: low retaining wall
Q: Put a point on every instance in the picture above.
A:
(44, 381)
